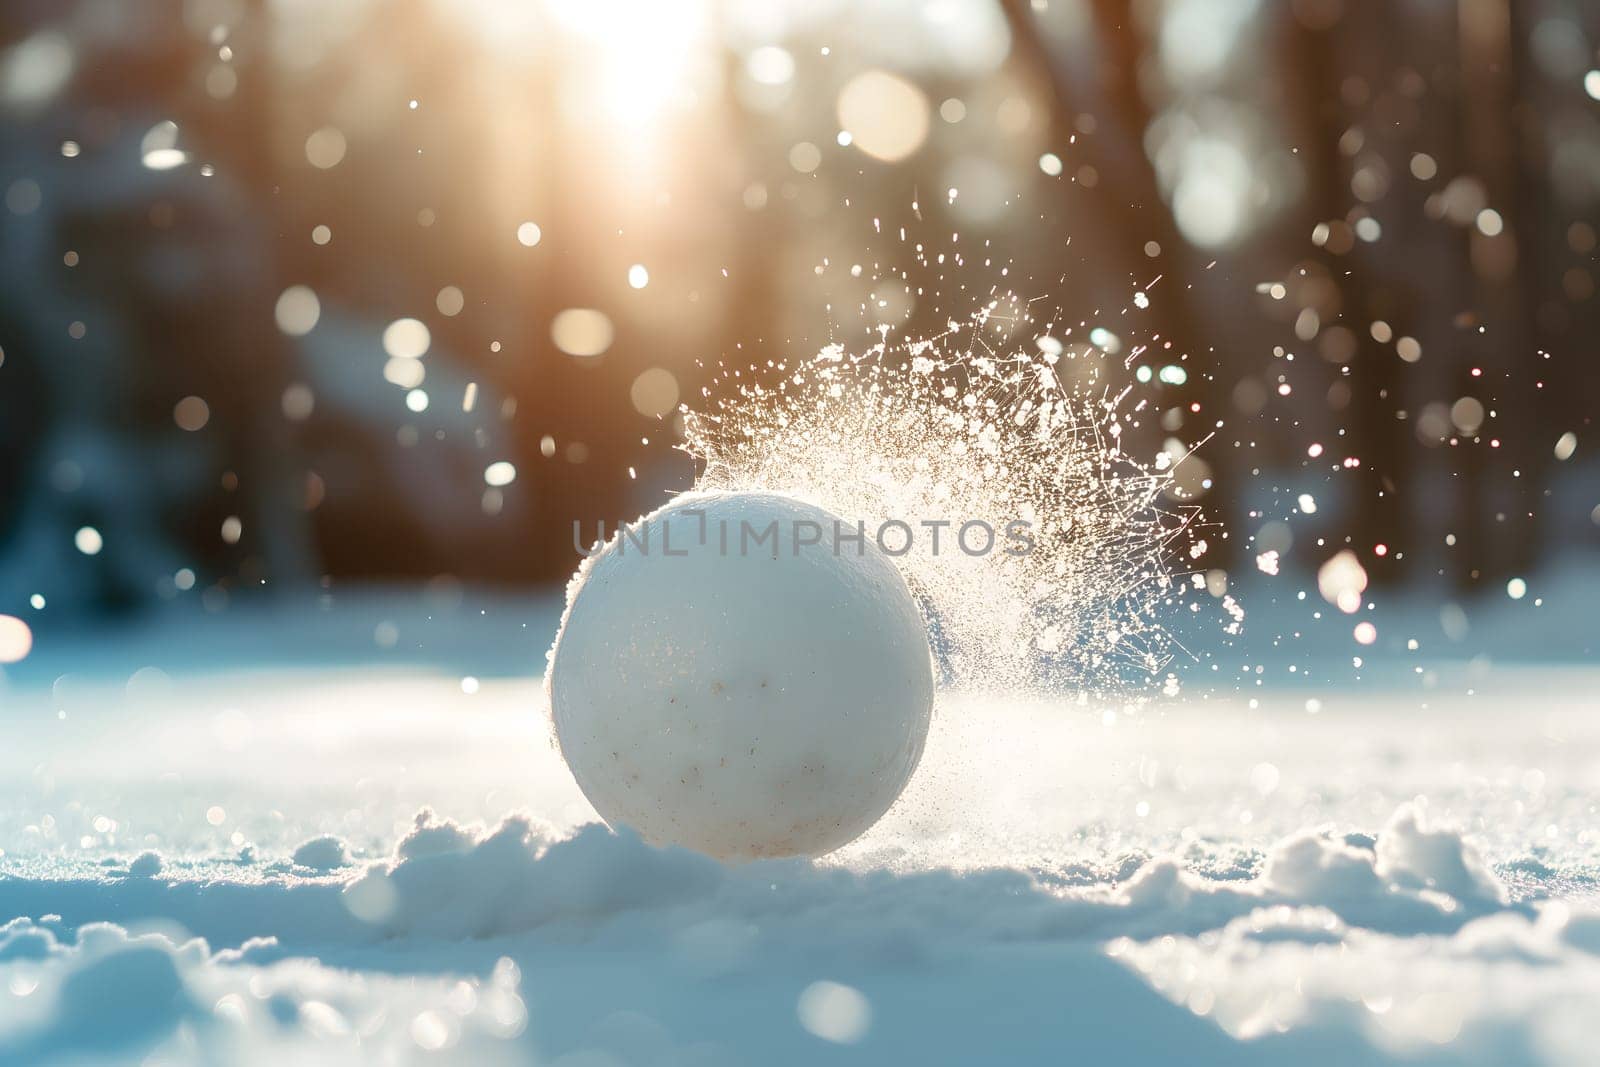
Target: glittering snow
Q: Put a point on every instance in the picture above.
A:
(1397, 877)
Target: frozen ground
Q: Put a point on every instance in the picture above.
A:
(264, 836)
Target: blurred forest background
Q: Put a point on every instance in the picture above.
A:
(301, 292)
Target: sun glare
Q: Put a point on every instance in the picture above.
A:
(638, 57)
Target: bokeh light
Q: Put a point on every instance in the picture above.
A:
(406, 339)
(582, 332)
(297, 311)
(16, 639)
(886, 115)
(654, 392)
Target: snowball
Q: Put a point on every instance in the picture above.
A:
(733, 676)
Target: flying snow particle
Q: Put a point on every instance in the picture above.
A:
(159, 150)
(1105, 340)
(930, 428)
(1342, 580)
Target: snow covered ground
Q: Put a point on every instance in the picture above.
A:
(340, 833)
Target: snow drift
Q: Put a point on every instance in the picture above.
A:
(1324, 934)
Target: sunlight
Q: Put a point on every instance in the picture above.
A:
(644, 54)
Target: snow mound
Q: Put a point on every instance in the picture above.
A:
(145, 865)
(1392, 943)
(1506, 988)
(450, 882)
(325, 853)
(1411, 880)
(453, 882)
(1410, 854)
(108, 994)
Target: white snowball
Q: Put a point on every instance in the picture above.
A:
(740, 698)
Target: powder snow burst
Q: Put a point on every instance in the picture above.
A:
(1003, 417)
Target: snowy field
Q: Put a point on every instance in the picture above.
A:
(341, 834)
